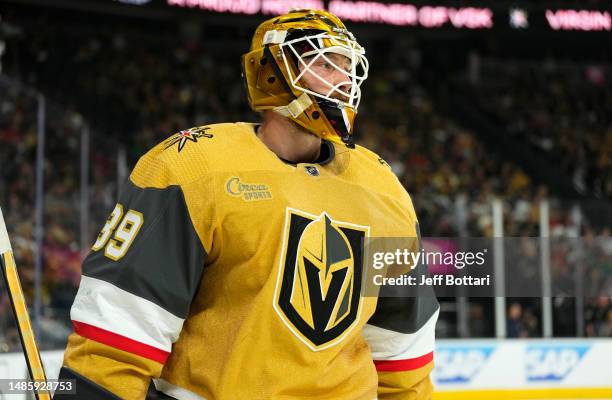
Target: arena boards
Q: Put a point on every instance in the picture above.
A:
(530, 394)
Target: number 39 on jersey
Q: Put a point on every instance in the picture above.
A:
(119, 232)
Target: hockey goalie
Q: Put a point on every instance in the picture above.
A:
(232, 264)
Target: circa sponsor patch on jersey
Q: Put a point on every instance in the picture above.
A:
(248, 191)
(191, 135)
(318, 289)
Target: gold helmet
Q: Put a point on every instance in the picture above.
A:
(283, 49)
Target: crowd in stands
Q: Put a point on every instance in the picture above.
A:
(562, 110)
(62, 255)
(134, 90)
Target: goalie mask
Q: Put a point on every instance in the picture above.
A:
(286, 52)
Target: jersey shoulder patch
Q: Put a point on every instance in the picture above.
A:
(190, 154)
(180, 139)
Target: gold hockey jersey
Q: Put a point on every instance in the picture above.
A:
(224, 272)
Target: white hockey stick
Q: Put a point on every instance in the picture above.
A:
(20, 311)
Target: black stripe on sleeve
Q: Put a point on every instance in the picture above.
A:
(407, 313)
(84, 388)
(164, 263)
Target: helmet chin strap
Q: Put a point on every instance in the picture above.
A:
(295, 107)
(334, 113)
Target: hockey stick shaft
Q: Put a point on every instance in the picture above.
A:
(20, 310)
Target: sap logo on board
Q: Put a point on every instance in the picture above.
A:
(460, 364)
(552, 362)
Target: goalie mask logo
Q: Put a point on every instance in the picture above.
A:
(319, 283)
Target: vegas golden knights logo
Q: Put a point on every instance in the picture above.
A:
(319, 283)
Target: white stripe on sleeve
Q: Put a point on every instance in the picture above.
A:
(386, 344)
(175, 391)
(108, 307)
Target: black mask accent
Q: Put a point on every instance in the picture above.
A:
(333, 112)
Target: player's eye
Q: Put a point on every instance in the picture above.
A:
(343, 65)
(326, 65)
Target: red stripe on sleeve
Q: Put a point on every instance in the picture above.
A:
(404, 365)
(120, 342)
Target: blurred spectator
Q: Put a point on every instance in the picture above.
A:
(514, 324)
